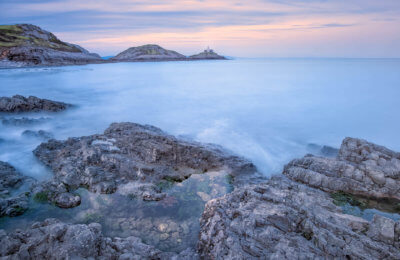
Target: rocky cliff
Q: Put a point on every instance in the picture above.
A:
(149, 52)
(29, 45)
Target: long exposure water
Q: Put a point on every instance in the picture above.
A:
(267, 110)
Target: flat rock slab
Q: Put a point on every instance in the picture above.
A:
(282, 219)
(20, 103)
(141, 155)
(360, 168)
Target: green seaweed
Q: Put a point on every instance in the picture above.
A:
(41, 197)
(341, 199)
(19, 210)
(92, 217)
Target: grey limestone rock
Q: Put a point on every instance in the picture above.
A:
(135, 157)
(282, 219)
(360, 168)
(20, 103)
(52, 239)
(13, 202)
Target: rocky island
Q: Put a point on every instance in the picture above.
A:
(28, 45)
(149, 52)
(207, 54)
(152, 52)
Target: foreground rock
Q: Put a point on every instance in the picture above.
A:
(13, 202)
(360, 168)
(130, 158)
(149, 52)
(282, 219)
(28, 45)
(53, 239)
(207, 54)
(20, 103)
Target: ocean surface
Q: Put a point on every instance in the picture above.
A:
(268, 110)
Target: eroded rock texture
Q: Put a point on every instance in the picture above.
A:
(20, 103)
(13, 201)
(130, 157)
(53, 239)
(361, 168)
(282, 219)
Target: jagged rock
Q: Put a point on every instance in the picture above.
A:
(207, 55)
(53, 239)
(282, 219)
(56, 192)
(361, 168)
(323, 150)
(41, 134)
(12, 202)
(134, 158)
(20, 103)
(149, 52)
(28, 45)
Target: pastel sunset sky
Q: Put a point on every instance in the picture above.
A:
(252, 28)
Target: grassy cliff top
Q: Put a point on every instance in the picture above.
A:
(30, 35)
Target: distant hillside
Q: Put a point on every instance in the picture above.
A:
(28, 45)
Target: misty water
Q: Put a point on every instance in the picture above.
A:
(268, 110)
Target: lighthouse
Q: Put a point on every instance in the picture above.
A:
(208, 50)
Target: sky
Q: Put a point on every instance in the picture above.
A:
(251, 28)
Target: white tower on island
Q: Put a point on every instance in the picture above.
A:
(208, 50)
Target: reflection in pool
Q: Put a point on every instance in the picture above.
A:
(171, 224)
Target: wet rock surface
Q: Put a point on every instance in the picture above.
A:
(360, 168)
(52, 239)
(136, 192)
(131, 158)
(20, 103)
(282, 219)
(13, 202)
(323, 150)
(170, 225)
